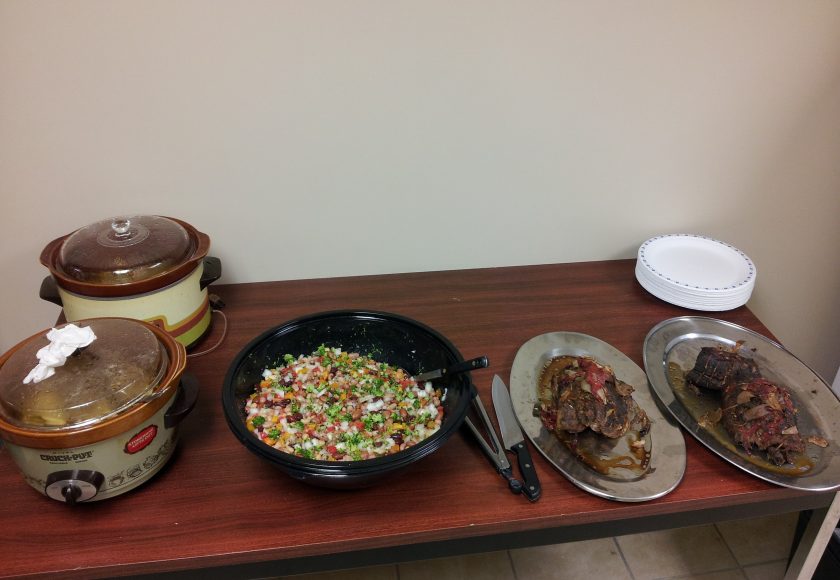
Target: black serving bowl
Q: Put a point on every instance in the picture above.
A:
(386, 337)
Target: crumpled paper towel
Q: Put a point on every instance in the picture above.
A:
(63, 343)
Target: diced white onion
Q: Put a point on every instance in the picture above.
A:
(375, 406)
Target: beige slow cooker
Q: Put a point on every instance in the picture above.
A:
(106, 421)
(151, 268)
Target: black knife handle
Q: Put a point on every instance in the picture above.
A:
(514, 484)
(531, 483)
(464, 366)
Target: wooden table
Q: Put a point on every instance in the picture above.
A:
(218, 510)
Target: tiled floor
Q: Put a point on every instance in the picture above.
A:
(737, 550)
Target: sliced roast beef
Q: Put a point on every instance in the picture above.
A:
(717, 367)
(578, 393)
(760, 415)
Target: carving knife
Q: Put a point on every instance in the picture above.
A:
(513, 439)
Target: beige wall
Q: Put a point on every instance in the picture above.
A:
(315, 139)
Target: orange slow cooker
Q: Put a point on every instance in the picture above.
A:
(106, 420)
(148, 267)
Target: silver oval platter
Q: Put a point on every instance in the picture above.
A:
(614, 474)
(670, 350)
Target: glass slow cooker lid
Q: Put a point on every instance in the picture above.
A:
(121, 367)
(122, 250)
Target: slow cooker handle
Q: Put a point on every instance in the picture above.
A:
(212, 271)
(184, 401)
(49, 291)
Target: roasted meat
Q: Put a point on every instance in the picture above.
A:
(578, 393)
(717, 367)
(761, 415)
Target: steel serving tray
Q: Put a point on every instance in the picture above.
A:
(677, 341)
(667, 456)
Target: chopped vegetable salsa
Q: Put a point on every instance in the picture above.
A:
(339, 406)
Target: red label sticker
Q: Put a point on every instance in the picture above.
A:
(141, 440)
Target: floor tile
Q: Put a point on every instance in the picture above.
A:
(679, 552)
(734, 574)
(760, 546)
(769, 571)
(760, 540)
(370, 573)
(572, 561)
(489, 566)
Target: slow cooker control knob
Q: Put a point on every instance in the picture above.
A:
(71, 493)
(74, 486)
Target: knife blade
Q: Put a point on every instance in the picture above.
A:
(513, 439)
(461, 367)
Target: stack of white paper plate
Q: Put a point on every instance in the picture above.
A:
(695, 272)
